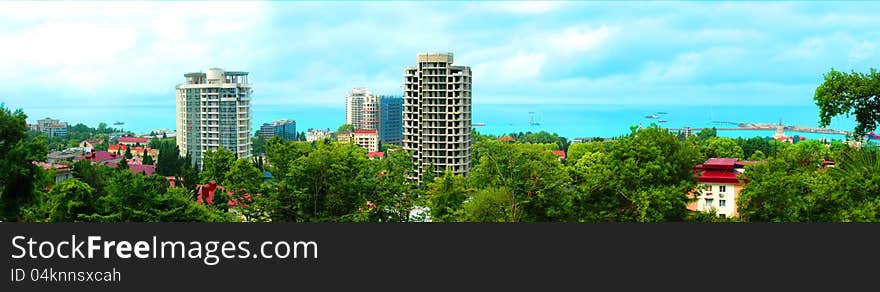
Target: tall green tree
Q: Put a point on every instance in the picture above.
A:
(168, 162)
(721, 147)
(148, 159)
(532, 173)
(850, 94)
(646, 176)
(446, 194)
(215, 165)
(17, 152)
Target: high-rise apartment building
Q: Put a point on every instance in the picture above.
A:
(214, 110)
(286, 129)
(391, 120)
(437, 114)
(361, 109)
(366, 111)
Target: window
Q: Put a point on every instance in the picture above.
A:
(722, 203)
(722, 188)
(708, 188)
(709, 202)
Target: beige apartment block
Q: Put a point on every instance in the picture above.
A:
(214, 110)
(437, 114)
(368, 139)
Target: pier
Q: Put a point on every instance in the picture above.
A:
(768, 127)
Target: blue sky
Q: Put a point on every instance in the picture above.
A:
(131, 53)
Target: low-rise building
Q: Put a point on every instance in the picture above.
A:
(369, 139)
(62, 172)
(719, 186)
(137, 151)
(101, 157)
(66, 155)
(91, 143)
(318, 134)
(132, 141)
(376, 155)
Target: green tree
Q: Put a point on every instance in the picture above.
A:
(215, 165)
(69, 201)
(533, 174)
(491, 205)
(446, 195)
(345, 127)
(646, 176)
(128, 154)
(17, 172)
(705, 134)
(148, 159)
(168, 162)
(758, 155)
(850, 94)
(720, 147)
(281, 155)
(123, 164)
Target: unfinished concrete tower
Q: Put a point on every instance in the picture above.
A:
(437, 114)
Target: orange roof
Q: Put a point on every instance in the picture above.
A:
(505, 139)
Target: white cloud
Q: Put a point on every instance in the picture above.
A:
(131, 46)
(579, 39)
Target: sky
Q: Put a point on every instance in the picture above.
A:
(310, 53)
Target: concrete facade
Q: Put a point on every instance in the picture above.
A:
(437, 114)
(214, 110)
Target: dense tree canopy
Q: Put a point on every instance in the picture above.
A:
(850, 94)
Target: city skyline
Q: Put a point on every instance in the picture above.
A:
(550, 52)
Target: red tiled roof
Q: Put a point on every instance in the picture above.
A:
(365, 131)
(99, 156)
(720, 163)
(559, 152)
(48, 166)
(708, 176)
(133, 140)
(505, 139)
(117, 146)
(376, 154)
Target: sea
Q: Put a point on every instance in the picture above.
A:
(568, 120)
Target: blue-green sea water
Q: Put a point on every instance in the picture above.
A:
(569, 120)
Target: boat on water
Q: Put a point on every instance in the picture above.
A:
(662, 121)
(479, 124)
(652, 116)
(662, 113)
(117, 123)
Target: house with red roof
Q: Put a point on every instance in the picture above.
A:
(720, 185)
(506, 139)
(99, 156)
(376, 154)
(131, 141)
(62, 172)
(560, 154)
